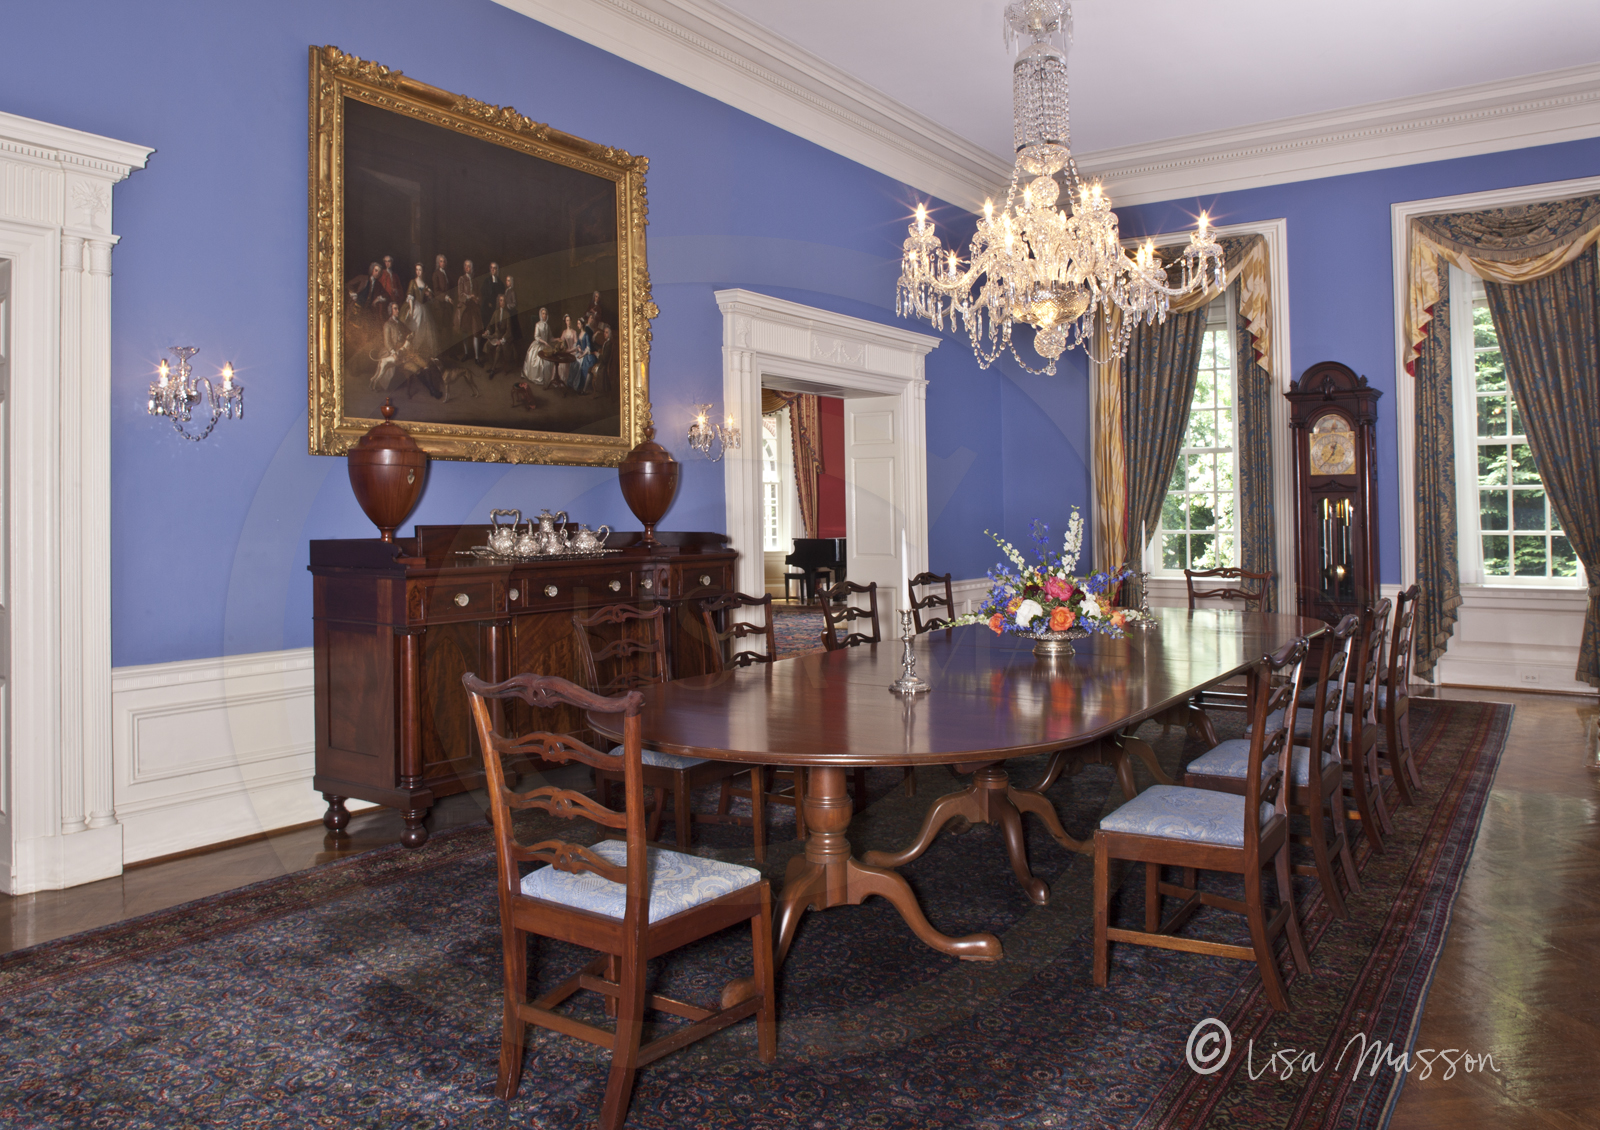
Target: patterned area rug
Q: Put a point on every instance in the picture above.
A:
(366, 992)
(797, 633)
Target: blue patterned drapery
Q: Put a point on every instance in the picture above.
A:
(1158, 378)
(1549, 332)
(1438, 562)
(1257, 546)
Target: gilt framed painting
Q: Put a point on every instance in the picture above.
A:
(481, 270)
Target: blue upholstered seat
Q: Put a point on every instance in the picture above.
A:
(1174, 812)
(665, 760)
(1231, 758)
(677, 882)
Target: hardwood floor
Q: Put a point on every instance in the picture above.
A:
(1516, 979)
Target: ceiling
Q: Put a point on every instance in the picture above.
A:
(1150, 70)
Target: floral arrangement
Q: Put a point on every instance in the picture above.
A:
(1029, 599)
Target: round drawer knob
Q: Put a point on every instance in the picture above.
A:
(616, 586)
(516, 594)
(550, 590)
(462, 599)
(647, 583)
(705, 578)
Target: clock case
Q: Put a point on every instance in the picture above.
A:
(1336, 516)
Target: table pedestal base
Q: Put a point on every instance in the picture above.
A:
(828, 875)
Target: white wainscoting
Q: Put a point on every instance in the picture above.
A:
(209, 750)
(1516, 638)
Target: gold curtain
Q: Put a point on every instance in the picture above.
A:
(806, 435)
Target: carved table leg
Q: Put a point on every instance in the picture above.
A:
(416, 833)
(827, 876)
(337, 818)
(988, 800)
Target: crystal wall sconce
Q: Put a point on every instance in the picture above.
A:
(175, 394)
(703, 434)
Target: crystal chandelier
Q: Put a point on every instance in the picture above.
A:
(174, 394)
(1047, 267)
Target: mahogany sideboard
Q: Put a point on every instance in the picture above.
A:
(397, 624)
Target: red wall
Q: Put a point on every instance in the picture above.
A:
(830, 479)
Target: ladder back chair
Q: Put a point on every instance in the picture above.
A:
(1394, 699)
(932, 600)
(842, 617)
(1316, 780)
(845, 615)
(622, 898)
(1223, 585)
(1207, 830)
(786, 786)
(622, 648)
(1364, 783)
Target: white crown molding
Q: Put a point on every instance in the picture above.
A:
(718, 52)
(1490, 117)
(27, 137)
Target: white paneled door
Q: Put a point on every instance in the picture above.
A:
(875, 518)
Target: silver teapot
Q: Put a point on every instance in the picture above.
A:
(587, 540)
(503, 539)
(551, 538)
(527, 541)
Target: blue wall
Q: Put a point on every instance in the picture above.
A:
(1341, 271)
(209, 540)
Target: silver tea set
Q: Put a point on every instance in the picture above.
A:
(544, 536)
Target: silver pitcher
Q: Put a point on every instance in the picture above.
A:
(587, 540)
(503, 539)
(551, 537)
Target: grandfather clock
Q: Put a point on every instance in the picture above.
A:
(1334, 416)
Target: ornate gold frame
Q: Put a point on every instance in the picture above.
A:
(335, 76)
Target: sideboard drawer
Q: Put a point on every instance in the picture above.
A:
(693, 582)
(454, 600)
(590, 588)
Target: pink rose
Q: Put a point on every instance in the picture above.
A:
(1057, 589)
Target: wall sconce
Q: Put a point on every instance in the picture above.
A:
(174, 395)
(703, 433)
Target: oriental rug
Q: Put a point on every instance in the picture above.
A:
(365, 992)
(797, 633)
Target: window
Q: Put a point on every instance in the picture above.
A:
(1508, 532)
(778, 498)
(1197, 517)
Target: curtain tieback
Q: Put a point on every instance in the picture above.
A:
(1594, 592)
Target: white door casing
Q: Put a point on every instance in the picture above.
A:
(55, 230)
(879, 371)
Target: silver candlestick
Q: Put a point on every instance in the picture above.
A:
(907, 683)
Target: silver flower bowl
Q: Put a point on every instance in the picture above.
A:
(1048, 644)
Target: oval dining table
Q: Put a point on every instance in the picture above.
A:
(989, 699)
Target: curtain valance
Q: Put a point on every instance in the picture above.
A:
(1505, 245)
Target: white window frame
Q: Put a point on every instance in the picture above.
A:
(1152, 556)
(788, 495)
(1464, 402)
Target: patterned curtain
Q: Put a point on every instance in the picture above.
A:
(1158, 377)
(806, 434)
(1438, 562)
(1257, 546)
(1548, 334)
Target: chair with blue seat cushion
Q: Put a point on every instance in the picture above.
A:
(624, 899)
(622, 648)
(1315, 776)
(1197, 829)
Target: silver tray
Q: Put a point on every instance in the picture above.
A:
(484, 553)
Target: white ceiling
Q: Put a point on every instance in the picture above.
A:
(1149, 70)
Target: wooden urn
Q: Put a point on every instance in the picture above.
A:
(387, 473)
(649, 480)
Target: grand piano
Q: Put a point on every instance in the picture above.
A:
(812, 556)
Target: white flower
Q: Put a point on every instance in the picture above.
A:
(1090, 608)
(1027, 612)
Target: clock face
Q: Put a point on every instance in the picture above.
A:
(1332, 446)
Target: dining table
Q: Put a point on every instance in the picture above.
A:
(989, 699)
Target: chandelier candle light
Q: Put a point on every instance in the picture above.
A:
(703, 434)
(1050, 268)
(174, 395)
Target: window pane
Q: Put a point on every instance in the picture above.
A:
(1225, 473)
(1225, 427)
(1200, 551)
(1225, 511)
(1202, 475)
(1523, 468)
(1492, 415)
(1221, 552)
(1530, 555)
(1516, 419)
(1202, 512)
(1178, 474)
(1528, 509)
(1172, 511)
(1491, 371)
(1563, 562)
(1204, 385)
(1483, 327)
(1224, 349)
(1492, 464)
(1172, 549)
(1202, 431)
(1492, 509)
(1496, 550)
